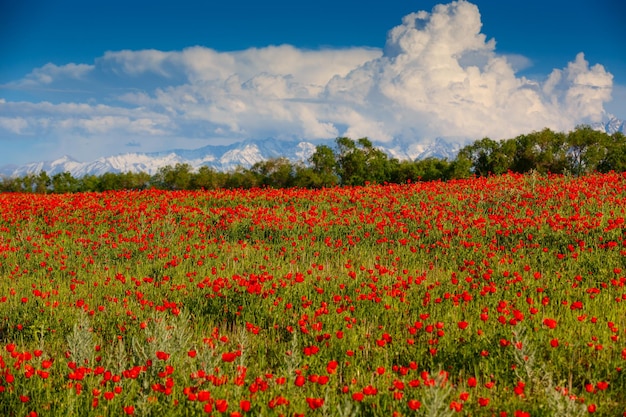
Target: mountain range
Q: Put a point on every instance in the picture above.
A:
(611, 125)
(245, 154)
(220, 157)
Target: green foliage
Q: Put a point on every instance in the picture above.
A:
(460, 168)
(42, 183)
(206, 178)
(173, 178)
(64, 182)
(428, 169)
(587, 148)
(486, 157)
(275, 172)
(615, 157)
(360, 162)
(543, 152)
(322, 172)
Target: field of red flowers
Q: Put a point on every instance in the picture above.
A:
(500, 296)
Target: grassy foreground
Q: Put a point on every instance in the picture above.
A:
(502, 296)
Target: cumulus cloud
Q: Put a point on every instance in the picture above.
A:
(579, 89)
(51, 73)
(437, 76)
(440, 76)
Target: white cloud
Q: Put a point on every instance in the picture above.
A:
(50, 73)
(16, 125)
(135, 63)
(98, 125)
(438, 75)
(441, 77)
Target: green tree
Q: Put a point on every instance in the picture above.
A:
(134, 180)
(306, 177)
(459, 168)
(107, 181)
(90, 183)
(486, 157)
(431, 169)
(173, 178)
(360, 162)
(324, 167)
(28, 183)
(615, 158)
(543, 151)
(206, 178)
(274, 172)
(42, 182)
(405, 171)
(64, 182)
(11, 185)
(350, 162)
(586, 149)
(242, 178)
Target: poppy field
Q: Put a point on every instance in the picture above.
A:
(498, 296)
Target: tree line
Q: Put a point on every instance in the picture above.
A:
(358, 162)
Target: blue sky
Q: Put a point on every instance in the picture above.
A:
(94, 79)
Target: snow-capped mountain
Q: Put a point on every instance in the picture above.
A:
(611, 125)
(221, 158)
(439, 148)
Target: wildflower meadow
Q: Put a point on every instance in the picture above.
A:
(497, 296)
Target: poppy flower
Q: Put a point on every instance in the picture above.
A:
(414, 404)
(551, 323)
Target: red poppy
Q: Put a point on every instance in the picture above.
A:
(551, 323)
(162, 355)
(414, 404)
